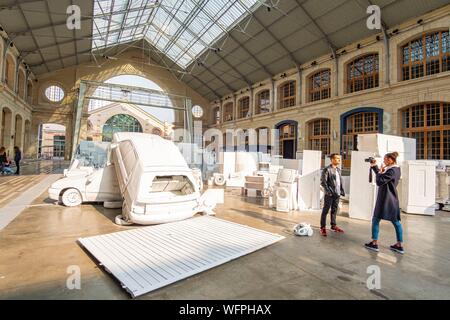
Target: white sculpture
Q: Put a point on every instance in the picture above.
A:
(147, 173)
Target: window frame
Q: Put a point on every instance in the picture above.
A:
(244, 108)
(322, 89)
(365, 76)
(287, 101)
(321, 137)
(424, 118)
(226, 113)
(423, 63)
(259, 98)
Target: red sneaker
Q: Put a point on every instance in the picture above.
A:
(323, 232)
(337, 229)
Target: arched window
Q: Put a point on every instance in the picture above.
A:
(263, 102)
(426, 55)
(244, 108)
(120, 123)
(287, 95)
(228, 112)
(320, 85)
(21, 84)
(319, 135)
(362, 73)
(429, 124)
(10, 72)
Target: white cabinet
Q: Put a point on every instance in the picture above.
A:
(418, 187)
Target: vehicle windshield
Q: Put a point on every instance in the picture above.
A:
(92, 154)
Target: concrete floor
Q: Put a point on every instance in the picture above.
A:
(40, 244)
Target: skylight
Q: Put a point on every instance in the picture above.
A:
(180, 29)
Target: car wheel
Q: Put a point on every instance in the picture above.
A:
(119, 220)
(71, 198)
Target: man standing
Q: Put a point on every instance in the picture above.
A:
(331, 182)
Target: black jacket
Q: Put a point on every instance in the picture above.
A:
(387, 206)
(18, 156)
(3, 158)
(328, 181)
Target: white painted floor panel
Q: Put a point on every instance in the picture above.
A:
(147, 258)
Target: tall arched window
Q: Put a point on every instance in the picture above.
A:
(320, 85)
(362, 73)
(429, 124)
(287, 95)
(426, 55)
(319, 135)
(228, 112)
(244, 108)
(9, 71)
(263, 102)
(120, 123)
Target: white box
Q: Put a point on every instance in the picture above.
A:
(309, 181)
(380, 144)
(362, 201)
(419, 187)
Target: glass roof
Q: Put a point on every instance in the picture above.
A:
(181, 29)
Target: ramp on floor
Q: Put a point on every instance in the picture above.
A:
(147, 258)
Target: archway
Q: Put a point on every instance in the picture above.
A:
(51, 141)
(18, 135)
(6, 128)
(287, 138)
(120, 123)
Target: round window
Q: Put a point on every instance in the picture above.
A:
(54, 93)
(197, 111)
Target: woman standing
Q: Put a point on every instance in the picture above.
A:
(387, 206)
(17, 158)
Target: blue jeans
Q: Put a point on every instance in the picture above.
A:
(376, 229)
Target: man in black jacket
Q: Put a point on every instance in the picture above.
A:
(331, 182)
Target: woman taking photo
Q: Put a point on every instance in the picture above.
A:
(387, 205)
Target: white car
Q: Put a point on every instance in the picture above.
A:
(86, 184)
(156, 183)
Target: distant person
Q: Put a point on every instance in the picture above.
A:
(17, 158)
(3, 158)
(5, 164)
(387, 206)
(331, 182)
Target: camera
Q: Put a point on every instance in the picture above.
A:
(369, 159)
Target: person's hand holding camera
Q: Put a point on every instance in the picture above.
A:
(373, 163)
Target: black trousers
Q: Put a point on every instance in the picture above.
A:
(333, 203)
(17, 167)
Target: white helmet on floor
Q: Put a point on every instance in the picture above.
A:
(303, 229)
